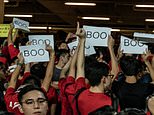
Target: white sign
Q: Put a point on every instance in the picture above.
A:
(97, 36)
(41, 39)
(144, 37)
(132, 46)
(34, 53)
(21, 24)
(89, 50)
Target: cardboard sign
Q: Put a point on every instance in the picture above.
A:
(41, 39)
(89, 50)
(149, 38)
(21, 24)
(4, 30)
(34, 53)
(132, 46)
(97, 36)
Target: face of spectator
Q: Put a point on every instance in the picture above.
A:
(34, 103)
(63, 46)
(108, 81)
(65, 58)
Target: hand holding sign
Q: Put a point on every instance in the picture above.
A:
(81, 33)
(21, 58)
(49, 48)
(110, 42)
(11, 26)
(146, 55)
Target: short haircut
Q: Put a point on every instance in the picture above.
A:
(96, 71)
(33, 80)
(61, 52)
(38, 70)
(129, 65)
(27, 89)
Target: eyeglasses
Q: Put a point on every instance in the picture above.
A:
(31, 102)
(111, 75)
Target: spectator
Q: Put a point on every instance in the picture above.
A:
(33, 100)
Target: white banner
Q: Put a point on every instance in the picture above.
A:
(97, 36)
(145, 37)
(132, 46)
(41, 39)
(21, 24)
(89, 50)
(34, 53)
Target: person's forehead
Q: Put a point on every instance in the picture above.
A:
(34, 94)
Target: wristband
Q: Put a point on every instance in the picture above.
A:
(20, 64)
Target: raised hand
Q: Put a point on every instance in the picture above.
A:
(81, 33)
(110, 42)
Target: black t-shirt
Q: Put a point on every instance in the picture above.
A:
(56, 74)
(132, 95)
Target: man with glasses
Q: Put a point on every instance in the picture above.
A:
(33, 101)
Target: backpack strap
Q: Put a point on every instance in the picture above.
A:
(115, 102)
(76, 96)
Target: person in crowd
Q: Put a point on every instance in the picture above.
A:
(33, 101)
(11, 93)
(130, 92)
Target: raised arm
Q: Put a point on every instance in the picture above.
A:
(49, 71)
(148, 64)
(65, 69)
(81, 61)
(16, 73)
(15, 35)
(114, 62)
(9, 38)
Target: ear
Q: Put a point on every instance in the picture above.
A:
(103, 80)
(21, 109)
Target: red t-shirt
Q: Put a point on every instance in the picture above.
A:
(11, 100)
(66, 84)
(89, 101)
(13, 51)
(52, 96)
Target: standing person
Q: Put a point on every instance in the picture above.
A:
(130, 92)
(33, 101)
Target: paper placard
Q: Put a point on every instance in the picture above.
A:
(41, 39)
(89, 50)
(21, 24)
(97, 36)
(4, 30)
(149, 38)
(34, 53)
(132, 46)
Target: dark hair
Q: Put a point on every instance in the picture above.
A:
(129, 65)
(27, 89)
(89, 60)
(105, 110)
(6, 113)
(96, 71)
(38, 70)
(132, 111)
(32, 79)
(61, 52)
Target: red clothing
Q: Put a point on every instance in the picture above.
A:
(52, 95)
(66, 84)
(89, 102)
(12, 104)
(68, 87)
(13, 51)
(11, 100)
